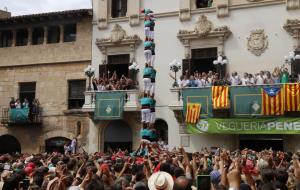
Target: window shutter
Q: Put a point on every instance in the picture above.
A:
(123, 7)
(186, 66)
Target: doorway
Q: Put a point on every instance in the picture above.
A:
(9, 144)
(117, 135)
(118, 64)
(161, 127)
(56, 144)
(261, 142)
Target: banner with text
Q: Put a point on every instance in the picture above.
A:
(246, 126)
(109, 105)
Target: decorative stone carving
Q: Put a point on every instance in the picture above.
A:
(293, 28)
(118, 35)
(222, 10)
(257, 42)
(118, 38)
(102, 23)
(185, 14)
(292, 4)
(205, 31)
(134, 20)
(203, 26)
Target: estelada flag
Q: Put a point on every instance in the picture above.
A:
(272, 101)
(192, 112)
(292, 97)
(220, 97)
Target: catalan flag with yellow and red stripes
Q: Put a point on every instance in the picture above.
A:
(292, 97)
(192, 112)
(220, 97)
(272, 101)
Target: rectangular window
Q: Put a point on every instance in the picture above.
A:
(203, 3)
(76, 94)
(37, 36)
(202, 61)
(70, 32)
(21, 37)
(6, 38)
(53, 34)
(118, 8)
(118, 64)
(27, 90)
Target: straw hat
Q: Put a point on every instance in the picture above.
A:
(160, 181)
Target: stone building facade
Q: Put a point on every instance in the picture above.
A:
(48, 51)
(254, 35)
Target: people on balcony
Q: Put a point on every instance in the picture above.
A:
(18, 104)
(196, 79)
(25, 104)
(12, 103)
(105, 83)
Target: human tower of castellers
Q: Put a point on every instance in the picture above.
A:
(148, 132)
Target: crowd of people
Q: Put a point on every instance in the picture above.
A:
(163, 170)
(114, 82)
(211, 78)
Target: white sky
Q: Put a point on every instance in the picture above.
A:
(21, 7)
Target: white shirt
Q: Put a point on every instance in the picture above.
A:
(235, 80)
(259, 80)
(245, 81)
(199, 83)
(204, 82)
(251, 80)
(185, 83)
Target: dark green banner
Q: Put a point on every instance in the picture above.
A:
(18, 115)
(109, 105)
(246, 126)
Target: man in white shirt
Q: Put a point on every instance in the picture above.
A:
(235, 79)
(260, 78)
(245, 79)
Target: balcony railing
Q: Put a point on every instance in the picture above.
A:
(245, 101)
(19, 117)
(131, 100)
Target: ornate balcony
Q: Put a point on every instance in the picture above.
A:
(131, 100)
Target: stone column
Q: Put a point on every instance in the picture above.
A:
(14, 38)
(45, 35)
(102, 14)
(61, 34)
(29, 40)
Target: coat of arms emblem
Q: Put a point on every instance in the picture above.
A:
(203, 26)
(257, 42)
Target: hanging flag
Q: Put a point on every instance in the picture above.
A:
(220, 97)
(272, 101)
(193, 113)
(292, 97)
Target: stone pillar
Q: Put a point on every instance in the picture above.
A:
(29, 42)
(103, 14)
(185, 10)
(133, 12)
(45, 35)
(14, 38)
(61, 33)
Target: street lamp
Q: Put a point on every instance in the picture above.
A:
(89, 72)
(291, 57)
(134, 68)
(219, 63)
(175, 66)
